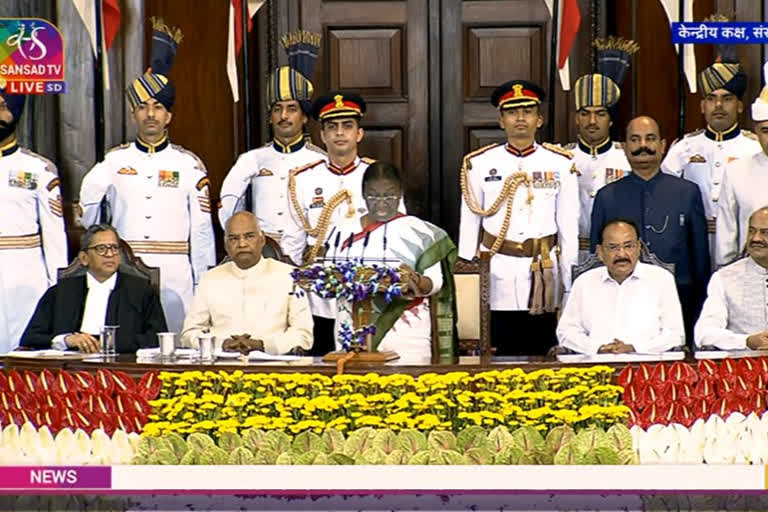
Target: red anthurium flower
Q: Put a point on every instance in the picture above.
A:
(704, 390)
(5, 401)
(105, 381)
(743, 387)
(84, 420)
(104, 405)
(757, 402)
(140, 406)
(30, 382)
(23, 401)
(749, 367)
(71, 401)
(85, 381)
(47, 382)
(642, 374)
(3, 382)
(762, 366)
(68, 419)
(123, 382)
(48, 418)
(15, 382)
(684, 416)
(52, 402)
(17, 418)
(630, 396)
(660, 373)
(723, 407)
(123, 423)
(65, 383)
(624, 378)
(682, 372)
(138, 423)
(105, 423)
(650, 416)
(707, 369)
(729, 367)
(681, 392)
(150, 385)
(724, 388)
(4, 418)
(700, 409)
(631, 418)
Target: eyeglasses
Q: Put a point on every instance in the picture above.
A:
(627, 246)
(103, 249)
(381, 199)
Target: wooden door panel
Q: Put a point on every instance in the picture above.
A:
(369, 61)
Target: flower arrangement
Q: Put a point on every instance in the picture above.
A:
(472, 445)
(350, 280)
(678, 393)
(77, 400)
(354, 340)
(216, 403)
(32, 446)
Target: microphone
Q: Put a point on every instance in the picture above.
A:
(327, 243)
(350, 241)
(336, 245)
(365, 244)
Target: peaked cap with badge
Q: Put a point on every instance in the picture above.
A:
(154, 82)
(293, 82)
(517, 93)
(339, 104)
(726, 72)
(602, 89)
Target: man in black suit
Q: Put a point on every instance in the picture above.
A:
(71, 313)
(668, 210)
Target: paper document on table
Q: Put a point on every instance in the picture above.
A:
(734, 354)
(180, 353)
(620, 358)
(47, 354)
(256, 355)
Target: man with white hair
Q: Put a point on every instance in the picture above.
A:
(744, 190)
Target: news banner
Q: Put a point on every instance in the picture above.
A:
(719, 33)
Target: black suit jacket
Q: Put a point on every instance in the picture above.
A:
(133, 305)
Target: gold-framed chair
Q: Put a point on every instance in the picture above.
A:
(129, 264)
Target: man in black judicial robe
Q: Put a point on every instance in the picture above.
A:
(71, 313)
(668, 210)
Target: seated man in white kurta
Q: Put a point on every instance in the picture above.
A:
(735, 314)
(625, 306)
(247, 303)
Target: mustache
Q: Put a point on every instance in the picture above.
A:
(644, 149)
(621, 260)
(757, 244)
(4, 124)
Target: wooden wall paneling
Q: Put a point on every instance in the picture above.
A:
(435, 107)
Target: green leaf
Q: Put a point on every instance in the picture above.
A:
(253, 439)
(568, 454)
(411, 441)
(374, 455)
(421, 458)
(385, 440)
(285, 459)
(228, 441)
(307, 458)
(439, 440)
(164, 457)
(397, 457)
(446, 457)
(359, 441)
(241, 456)
(480, 455)
(277, 441)
(543, 455)
(148, 446)
(527, 438)
(558, 436)
(266, 456)
(620, 437)
(589, 439)
(334, 439)
(178, 445)
(604, 455)
(472, 437)
(340, 459)
(628, 456)
(499, 438)
(509, 455)
(195, 457)
(308, 441)
(200, 441)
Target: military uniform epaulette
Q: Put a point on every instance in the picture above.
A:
(316, 149)
(749, 134)
(557, 149)
(477, 152)
(618, 145)
(49, 165)
(694, 133)
(367, 160)
(182, 149)
(299, 170)
(570, 146)
(121, 146)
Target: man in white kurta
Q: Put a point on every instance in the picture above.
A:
(744, 190)
(735, 314)
(249, 296)
(33, 243)
(625, 306)
(702, 156)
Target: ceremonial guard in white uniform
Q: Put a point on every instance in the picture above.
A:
(33, 244)
(702, 156)
(520, 201)
(158, 192)
(267, 168)
(744, 190)
(598, 159)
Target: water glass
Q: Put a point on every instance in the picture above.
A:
(206, 342)
(109, 341)
(167, 342)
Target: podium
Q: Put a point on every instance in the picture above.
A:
(359, 284)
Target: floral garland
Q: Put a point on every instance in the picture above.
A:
(219, 402)
(355, 340)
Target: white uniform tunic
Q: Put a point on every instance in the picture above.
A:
(33, 244)
(266, 169)
(598, 166)
(745, 189)
(554, 210)
(160, 203)
(701, 157)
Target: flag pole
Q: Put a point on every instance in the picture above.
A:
(552, 72)
(681, 76)
(98, 103)
(244, 17)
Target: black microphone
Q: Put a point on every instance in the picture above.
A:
(336, 245)
(365, 244)
(350, 241)
(327, 244)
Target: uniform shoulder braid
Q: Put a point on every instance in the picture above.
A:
(316, 149)
(478, 152)
(182, 149)
(125, 145)
(47, 164)
(299, 170)
(570, 146)
(367, 160)
(749, 134)
(557, 149)
(694, 133)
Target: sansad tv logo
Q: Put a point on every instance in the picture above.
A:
(31, 57)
